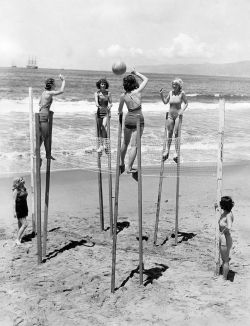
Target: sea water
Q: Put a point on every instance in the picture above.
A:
(74, 133)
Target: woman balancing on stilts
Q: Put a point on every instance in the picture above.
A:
(132, 98)
(103, 103)
(175, 99)
(44, 108)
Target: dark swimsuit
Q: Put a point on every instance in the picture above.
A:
(21, 203)
(44, 108)
(131, 116)
(103, 101)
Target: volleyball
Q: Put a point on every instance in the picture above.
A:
(119, 68)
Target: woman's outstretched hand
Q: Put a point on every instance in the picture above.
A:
(61, 77)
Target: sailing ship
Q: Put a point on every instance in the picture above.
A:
(32, 64)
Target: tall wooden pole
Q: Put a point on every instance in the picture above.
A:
(38, 189)
(110, 177)
(99, 176)
(219, 180)
(116, 202)
(47, 186)
(158, 207)
(178, 179)
(32, 159)
(139, 198)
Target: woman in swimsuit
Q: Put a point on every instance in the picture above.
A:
(132, 98)
(175, 99)
(44, 108)
(103, 102)
(20, 207)
(225, 225)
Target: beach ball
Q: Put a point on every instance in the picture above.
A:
(119, 68)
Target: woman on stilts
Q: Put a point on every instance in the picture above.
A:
(103, 101)
(133, 98)
(44, 108)
(175, 98)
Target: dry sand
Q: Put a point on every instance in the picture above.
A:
(72, 287)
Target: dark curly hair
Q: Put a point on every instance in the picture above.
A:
(130, 83)
(49, 83)
(104, 81)
(226, 203)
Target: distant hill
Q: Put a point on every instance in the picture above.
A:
(240, 69)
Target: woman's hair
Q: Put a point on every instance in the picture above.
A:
(178, 81)
(226, 203)
(17, 182)
(130, 83)
(102, 81)
(49, 83)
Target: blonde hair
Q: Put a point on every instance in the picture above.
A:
(178, 81)
(17, 182)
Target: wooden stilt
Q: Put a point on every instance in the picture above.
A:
(110, 177)
(178, 179)
(158, 207)
(38, 189)
(32, 160)
(219, 180)
(99, 166)
(47, 186)
(116, 203)
(139, 198)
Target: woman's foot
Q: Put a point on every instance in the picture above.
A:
(175, 158)
(165, 155)
(18, 242)
(50, 157)
(132, 170)
(100, 149)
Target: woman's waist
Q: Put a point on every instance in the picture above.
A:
(135, 110)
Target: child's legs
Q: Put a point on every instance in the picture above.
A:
(133, 151)
(126, 140)
(23, 222)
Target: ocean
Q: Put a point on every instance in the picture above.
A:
(74, 141)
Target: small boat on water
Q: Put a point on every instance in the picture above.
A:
(32, 64)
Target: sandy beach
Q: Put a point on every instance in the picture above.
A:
(72, 286)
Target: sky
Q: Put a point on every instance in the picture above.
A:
(93, 34)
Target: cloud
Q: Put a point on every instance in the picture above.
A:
(184, 46)
(115, 50)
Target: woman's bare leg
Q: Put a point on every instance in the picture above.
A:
(126, 140)
(133, 150)
(170, 128)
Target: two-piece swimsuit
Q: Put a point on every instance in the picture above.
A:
(131, 116)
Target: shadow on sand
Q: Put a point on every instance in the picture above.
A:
(151, 273)
(71, 245)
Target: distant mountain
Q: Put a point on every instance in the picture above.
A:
(240, 69)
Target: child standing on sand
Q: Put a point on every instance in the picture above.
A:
(225, 224)
(20, 207)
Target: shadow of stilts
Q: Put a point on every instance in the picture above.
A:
(185, 236)
(71, 245)
(151, 273)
